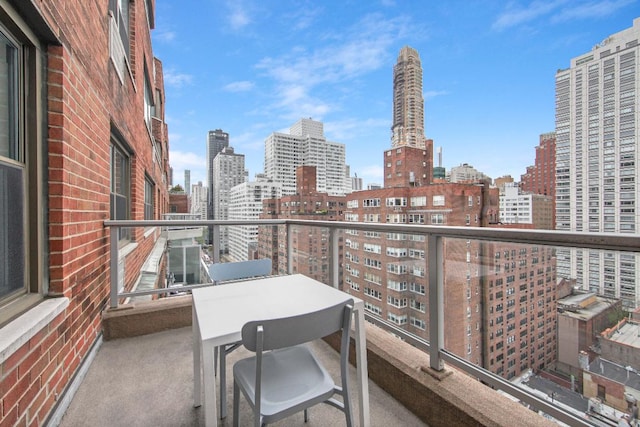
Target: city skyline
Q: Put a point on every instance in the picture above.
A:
(488, 75)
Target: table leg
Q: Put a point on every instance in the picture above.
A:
(209, 378)
(197, 354)
(361, 367)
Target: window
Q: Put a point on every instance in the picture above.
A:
(12, 174)
(119, 40)
(148, 100)
(120, 184)
(120, 11)
(438, 200)
(148, 198)
(21, 195)
(437, 218)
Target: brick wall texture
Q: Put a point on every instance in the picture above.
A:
(85, 102)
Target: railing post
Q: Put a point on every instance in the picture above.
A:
(216, 244)
(436, 301)
(289, 250)
(113, 265)
(334, 266)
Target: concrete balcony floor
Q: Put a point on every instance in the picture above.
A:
(148, 381)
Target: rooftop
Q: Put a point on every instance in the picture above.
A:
(627, 333)
(583, 306)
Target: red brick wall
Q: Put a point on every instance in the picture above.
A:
(178, 203)
(85, 99)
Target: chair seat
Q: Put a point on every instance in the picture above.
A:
(291, 378)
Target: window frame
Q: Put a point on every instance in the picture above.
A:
(30, 135)
(149, 198)
(119, 148)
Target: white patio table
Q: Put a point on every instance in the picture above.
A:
(219, 312)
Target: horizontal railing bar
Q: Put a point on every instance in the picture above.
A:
(481, 374)
(163, 290)
(602, 241)
(555, 238)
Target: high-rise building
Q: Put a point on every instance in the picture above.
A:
(408, 104)
(187, 182)
(306, 145)
(216, 141)
(597, 151)
(466, 173)
(245, 203)
(228, 171)
(312, 243)
(199, 200)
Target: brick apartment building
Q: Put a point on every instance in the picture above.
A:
(541, 177)
(499, 298)
(179, 202)
(311, 253)
(82, 140)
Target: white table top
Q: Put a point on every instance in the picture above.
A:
(223, 310)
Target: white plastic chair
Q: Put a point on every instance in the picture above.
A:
(284, 376)
(220, 273)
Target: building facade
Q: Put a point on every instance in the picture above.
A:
(199, 200)
(597, 149)
(245, 203)
(311, 256)
(187, 182)
(466, 173)
(541, 177)
(408, 102)
(82, 140)
(216, 141)
(228, 171)
(306, 145)
(408, 166)
(517, 207)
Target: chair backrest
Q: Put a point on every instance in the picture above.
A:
(223, 271)
(290, 331)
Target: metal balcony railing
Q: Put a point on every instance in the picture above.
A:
(434, 236)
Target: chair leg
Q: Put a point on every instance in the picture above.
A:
(223, 383)
(215, 360)
(236, 405)
(306, 416)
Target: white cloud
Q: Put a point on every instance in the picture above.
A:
(372, 174)
(353, 129)
(175, 79)
(186, 160)
(240, 86)
(356, 51)
(238, 15)
(430, 94)
(183, 160)
(556, 11)
(163, 35)
(516, 15)
(593, 9)
(304, 17)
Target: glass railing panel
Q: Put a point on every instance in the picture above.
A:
(500, 305)
(311, 253)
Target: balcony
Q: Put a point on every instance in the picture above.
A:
(413, 380)
(147, 380)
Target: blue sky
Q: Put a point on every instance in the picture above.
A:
(252, 67)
